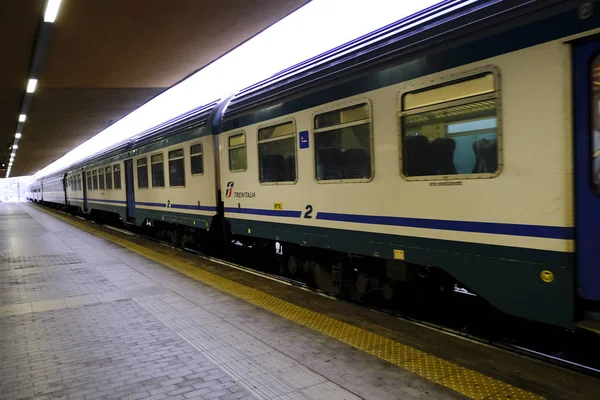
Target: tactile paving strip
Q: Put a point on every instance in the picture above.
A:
(456, 377)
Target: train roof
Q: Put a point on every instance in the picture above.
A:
(196, 118)
(442, 26)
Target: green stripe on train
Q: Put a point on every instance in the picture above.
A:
(507, 277)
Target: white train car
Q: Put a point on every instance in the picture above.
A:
(457, 157)
(53, 189)
(162, 178)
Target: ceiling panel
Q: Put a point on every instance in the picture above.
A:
(108, 57)
(19, 21)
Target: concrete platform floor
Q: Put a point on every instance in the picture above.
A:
(84, 318)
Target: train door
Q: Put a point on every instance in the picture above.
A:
(66, 186)
(587, 166)
(129, 190)
(84, 188)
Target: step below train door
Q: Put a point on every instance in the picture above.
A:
(129, 190)
(587, 171)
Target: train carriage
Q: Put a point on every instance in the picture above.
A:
(53, 189)
(455, 154)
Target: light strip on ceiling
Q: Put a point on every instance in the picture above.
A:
(43, 39)
(31, 85)
(294, 43)
(52, 8)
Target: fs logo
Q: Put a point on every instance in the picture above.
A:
(229, 190)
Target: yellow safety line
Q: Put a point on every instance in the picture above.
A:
(458, 378)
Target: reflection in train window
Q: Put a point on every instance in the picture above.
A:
(176, 171)
(196, 159)
(595, 110)
(108, 174)
(142, 173)
(158, 170)
(277, 153)
(101, 178)
(237, 153)
(95, 179)
(117, 176)
(343, 144)
(451, 129)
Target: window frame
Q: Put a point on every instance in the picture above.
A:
(259, 142)
(151, 177)
(169, 166)
(341, 106)
(448, 79)
(202, 155)
(229, 148)
(148, 173)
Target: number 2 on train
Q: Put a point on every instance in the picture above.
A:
(309, 210)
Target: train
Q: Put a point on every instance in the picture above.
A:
(455, 149)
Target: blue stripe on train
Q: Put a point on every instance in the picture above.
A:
(260, 211)
(148, 204)
(106, 201)
(179, 206)
(549, 232)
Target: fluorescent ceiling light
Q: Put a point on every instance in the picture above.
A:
(294, 43)
(22, 117)
(15, 146)
(12, 155)
(31, 85)
(17, 135)
(51, 10)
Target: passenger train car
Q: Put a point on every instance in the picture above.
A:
(456, 147)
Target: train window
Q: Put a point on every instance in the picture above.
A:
(79, 182)
(595, 97)
(142, 173)
(89, 180)
(196, 159)
(158, 170)
(117, 176)
(343, 144)
(95, 179)
(451, 129)
(176, 171)
(277, 153)
(101, 178)
(108, 176)
(237, 153)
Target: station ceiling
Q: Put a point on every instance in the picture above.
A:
(105, 59)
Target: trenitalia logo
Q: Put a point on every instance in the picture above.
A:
(229, 190)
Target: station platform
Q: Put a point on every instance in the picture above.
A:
(89, 312)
